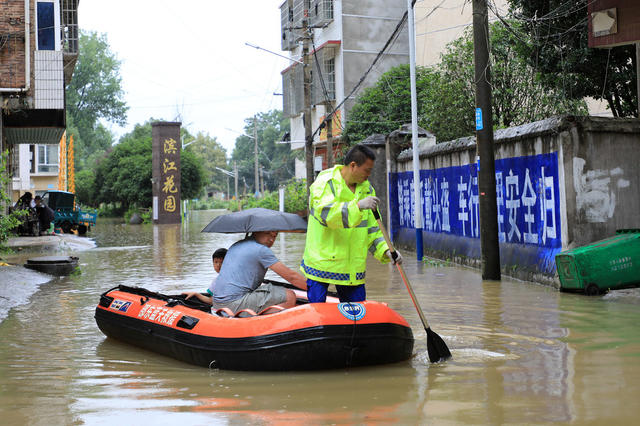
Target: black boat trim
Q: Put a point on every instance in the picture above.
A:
(333, 346)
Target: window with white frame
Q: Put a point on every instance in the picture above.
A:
(330, 77)
(48, 21)
(321, 12)
(47, 159)
(324, 81)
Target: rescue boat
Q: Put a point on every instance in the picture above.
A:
(310, 336)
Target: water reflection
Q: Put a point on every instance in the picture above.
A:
(264, 397)
(167, 245)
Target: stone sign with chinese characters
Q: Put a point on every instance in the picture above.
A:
(166, 172)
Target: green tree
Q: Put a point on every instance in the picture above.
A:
(124, 175)
(386, 105)
(94, 95)
(211, 154)
(559, 50)
(192, 179)
(10, 221)
(446, 94)
(276, 159)
(518, 93)
(85, 185)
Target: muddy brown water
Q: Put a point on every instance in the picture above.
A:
(522, 352)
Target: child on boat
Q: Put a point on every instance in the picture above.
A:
(217, 257)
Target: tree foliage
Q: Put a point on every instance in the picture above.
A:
(446, 93)
(95, 94)
(124, 175)
(558, 49)
(276, 159)
(518, 93)
(10, 221)
(386, 105)
(212, 154)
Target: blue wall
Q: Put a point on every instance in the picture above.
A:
(528, 201)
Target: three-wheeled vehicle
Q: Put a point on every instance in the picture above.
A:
(67, 217)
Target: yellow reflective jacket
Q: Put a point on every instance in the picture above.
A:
(339, 233)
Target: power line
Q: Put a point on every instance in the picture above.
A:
(395, 33)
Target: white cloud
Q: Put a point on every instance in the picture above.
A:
(189, 58)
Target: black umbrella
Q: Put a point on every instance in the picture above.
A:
(256, 219)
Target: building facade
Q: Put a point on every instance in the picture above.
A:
(343, 39)
(38, 52)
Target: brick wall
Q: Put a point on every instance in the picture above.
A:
(12, 43)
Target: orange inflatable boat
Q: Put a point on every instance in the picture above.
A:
(310, 336)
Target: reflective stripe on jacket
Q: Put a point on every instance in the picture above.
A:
(339, 233)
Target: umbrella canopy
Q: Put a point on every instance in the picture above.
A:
(256, 219)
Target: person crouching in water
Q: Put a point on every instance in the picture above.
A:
(217, 258)
(239, 286)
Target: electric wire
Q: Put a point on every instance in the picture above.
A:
(359, 83)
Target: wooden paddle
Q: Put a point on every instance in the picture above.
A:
(437, 349)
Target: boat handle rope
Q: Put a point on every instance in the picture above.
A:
(352, 348)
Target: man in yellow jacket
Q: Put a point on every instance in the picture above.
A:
(342, 229)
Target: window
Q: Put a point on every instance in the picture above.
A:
(70, 23)
(286, 23)
(48, 21)
(324, 81)
(330, 77)
(47, 161)
(322, 12)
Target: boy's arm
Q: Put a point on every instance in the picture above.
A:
(199, 296)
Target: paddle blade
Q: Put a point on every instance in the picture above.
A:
(436, 347)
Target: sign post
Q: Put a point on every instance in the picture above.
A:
(166, 172)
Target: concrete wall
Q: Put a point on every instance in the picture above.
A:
(366, 26)
(560, 183)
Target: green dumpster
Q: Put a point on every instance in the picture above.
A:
(604, 265)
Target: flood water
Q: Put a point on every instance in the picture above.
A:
(522, 353)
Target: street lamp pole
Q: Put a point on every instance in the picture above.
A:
(233, 175)
(255, 152)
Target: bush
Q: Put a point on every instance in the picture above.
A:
(10, 221)
(295, 200)
(111, 210)
(295, 196)
(144, 213)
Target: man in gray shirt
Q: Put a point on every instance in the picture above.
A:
(239, 286)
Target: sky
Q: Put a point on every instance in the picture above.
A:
(187, 60)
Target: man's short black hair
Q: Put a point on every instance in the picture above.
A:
(219, 254)
(359, 154)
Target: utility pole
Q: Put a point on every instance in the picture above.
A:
(306, 115)
(489, 243)
(235, 175)
(638, 76)
(255, 152)
(329, 124)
